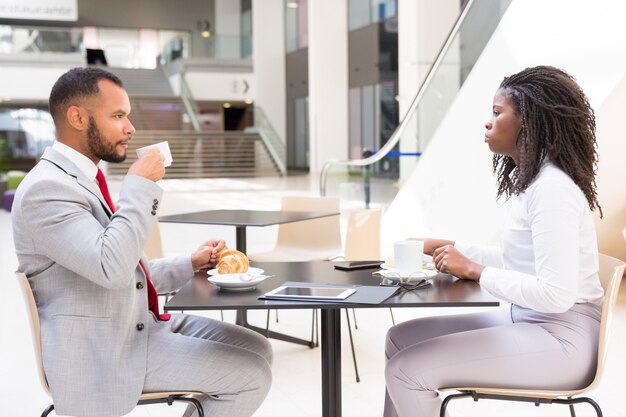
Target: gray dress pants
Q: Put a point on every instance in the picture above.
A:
(230, 364)
(516, 348)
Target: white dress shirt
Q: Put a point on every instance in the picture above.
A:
(83, 163)
(548, 259)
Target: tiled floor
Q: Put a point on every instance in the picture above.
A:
(296, 388)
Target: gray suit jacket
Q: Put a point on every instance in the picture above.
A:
(82, 263)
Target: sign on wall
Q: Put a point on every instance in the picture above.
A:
(65, 10)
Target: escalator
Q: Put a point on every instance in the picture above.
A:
(450, 191)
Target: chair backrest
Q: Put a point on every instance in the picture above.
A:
(611, 273)
(154, 244)
(317, 235)
(33, 321)
(363, 236)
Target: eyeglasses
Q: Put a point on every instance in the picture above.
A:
(414, 281)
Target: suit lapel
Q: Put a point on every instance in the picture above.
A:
(72, 170)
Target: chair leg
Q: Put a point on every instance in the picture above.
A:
(222, 314)
(267, 324)
(47, 410)
(444, 404)
(313, 327)
(393, 320)
(356, 326)
(193, 401)
(169, 400)
(317, 328)
(356, 369)
(571, 401)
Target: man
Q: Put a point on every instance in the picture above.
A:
(103, 339)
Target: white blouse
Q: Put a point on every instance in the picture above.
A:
(548, 259)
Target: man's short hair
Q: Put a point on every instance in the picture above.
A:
(74, 85)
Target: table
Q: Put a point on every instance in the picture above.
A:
(445, 291)
(241, 219)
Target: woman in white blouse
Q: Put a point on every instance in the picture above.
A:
(542, 134)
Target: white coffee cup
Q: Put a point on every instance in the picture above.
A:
(408, 256)
(163, 147)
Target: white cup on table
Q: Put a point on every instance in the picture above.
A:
(163, 147)
(408, 256)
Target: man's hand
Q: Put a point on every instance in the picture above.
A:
(207, 254)
(150, 165)
(448, 259)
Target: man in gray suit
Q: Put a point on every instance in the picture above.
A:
(104, 341)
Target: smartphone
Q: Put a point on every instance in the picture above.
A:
(353, 265)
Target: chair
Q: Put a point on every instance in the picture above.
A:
(306, 240)
(363, 236)
(33, 320)
(154, 244)
(611, 272)
(362, 244)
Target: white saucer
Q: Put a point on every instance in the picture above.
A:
(425, 266)
(251, 271)
(245, 281)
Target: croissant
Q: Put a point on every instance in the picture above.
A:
(232, 262)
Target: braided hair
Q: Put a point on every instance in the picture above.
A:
(557, 123)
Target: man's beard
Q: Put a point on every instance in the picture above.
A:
(98, 145)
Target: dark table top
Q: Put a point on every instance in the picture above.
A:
(245, 217)
(444, 291)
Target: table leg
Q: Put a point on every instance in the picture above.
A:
(331, 362)
(242, 320)
(240, 238)
(242, 315)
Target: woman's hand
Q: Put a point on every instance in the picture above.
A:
(448, 259)
(430, 245)
(207, 254)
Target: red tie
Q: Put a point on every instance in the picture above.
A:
(153, 299)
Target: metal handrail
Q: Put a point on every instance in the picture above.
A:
(271, 140)
(397, 134)
(190, 104)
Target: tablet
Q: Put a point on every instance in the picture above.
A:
(352, 265)
(310, 293)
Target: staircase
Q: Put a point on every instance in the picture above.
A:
(205, 155)
(158, 114)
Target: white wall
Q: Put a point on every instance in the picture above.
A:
(221, 86)
(612, 173)
(328, 81)
(268, 49)
(451, 193)
(26, 81)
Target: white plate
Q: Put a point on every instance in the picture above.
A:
(251, 271)
(425, 274)
(234, 282)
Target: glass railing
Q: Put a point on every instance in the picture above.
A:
(123, 48)
(272, 142)
(15, 40)
(425, 113)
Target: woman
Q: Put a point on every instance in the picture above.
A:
(542, 134)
